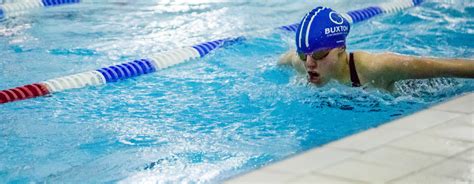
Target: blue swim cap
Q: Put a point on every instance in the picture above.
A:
(322, 28)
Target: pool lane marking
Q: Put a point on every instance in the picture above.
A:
(167, 59)
(13, 9)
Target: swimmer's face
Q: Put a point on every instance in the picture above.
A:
(320, 69)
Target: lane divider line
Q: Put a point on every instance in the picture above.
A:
(155, 62)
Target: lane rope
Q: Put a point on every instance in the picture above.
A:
(18, 8)
(155, 62)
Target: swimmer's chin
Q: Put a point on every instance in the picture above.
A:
(317, 81)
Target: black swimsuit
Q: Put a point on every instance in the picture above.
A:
(352, 69)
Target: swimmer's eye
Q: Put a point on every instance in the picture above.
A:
(315, 55)
(302, 56)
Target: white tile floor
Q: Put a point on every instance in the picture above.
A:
(432, 146)
(317, 178)
(311, 161)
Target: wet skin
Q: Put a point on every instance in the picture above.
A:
(379, 70)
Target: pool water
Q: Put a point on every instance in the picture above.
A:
(208, 119)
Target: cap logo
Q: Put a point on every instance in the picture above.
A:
(336, 18)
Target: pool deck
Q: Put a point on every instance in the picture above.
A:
(432, 146)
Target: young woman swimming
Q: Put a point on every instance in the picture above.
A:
(321, 55)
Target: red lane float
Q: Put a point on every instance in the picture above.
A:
(23, 92)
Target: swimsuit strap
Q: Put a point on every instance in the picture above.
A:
(352, 69)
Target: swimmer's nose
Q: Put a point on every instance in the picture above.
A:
(310, 64)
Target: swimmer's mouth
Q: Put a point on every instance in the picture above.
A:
(313, 74)
(313, 77)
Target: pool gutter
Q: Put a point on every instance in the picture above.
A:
(435, 145)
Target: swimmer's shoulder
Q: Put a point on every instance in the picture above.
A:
(374, 68)
(384, 56)
(370, 62)
(379, 61)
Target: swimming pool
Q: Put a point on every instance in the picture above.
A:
(207, 119)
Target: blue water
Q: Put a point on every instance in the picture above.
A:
(208, 119)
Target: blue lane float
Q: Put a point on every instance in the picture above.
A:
(18, 8)
(417, 2)
(205, 48)
(364, 14)
(156, 62)
(127, 70)
(58, 2)
(291, 28)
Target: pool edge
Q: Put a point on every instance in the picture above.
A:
(435, 144)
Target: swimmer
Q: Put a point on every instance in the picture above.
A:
(321, 55)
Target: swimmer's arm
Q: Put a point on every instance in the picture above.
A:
(285, 59)
(400, 67)
(290, 58)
